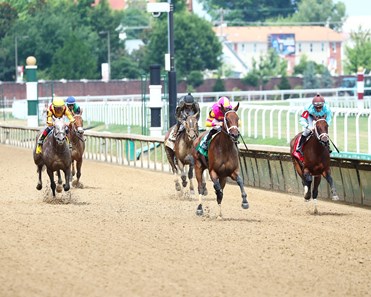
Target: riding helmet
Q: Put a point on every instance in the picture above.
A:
(318, 101)
(58, 102)
(71, 100)
(188, 99)
(224, 100)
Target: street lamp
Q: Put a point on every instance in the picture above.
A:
(16, 54)
(156, 9)
(108, 52)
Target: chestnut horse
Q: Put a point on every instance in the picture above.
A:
(181, 155)
(316, 160)
(55, 156)
(223, 160)
(77, 140)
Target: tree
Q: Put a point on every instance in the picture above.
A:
(320, 13)
(196, 46)
(67, 61)
(326, 80)
(303, 64)
(195, 79)
(219, 85)
(8, 15)
(310, 80)
(242, 11)
(269, 65)
(358, 54)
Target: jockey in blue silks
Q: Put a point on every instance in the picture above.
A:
(318, 109)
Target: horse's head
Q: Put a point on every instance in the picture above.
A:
(231, 121)
(79, 123)
(191, 126)
(321, 131)
(59, 131)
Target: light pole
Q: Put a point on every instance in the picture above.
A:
(16, 54)
(108, 52)
(156, 9)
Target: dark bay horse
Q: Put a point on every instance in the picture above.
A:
(223, 160)
(181, 154)
(56, 156)
(76, 137)
(316, 160)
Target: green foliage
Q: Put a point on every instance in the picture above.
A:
(359, 55)
(219, 85)
(68, 66)
(269, 65)
(197, 47)
(326, 80)
(303, 65)
(310, 80)
(284, 83)
(8, 15)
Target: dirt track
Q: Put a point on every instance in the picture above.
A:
(127, 234)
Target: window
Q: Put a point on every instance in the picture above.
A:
(323, 46)
(333, 44)
(311, 47)
(299, 47)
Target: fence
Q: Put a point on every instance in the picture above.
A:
(265, 167)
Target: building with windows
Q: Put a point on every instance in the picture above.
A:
(320, 44)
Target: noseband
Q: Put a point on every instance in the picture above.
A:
(234, 137)
(323, 137)
(59, 132)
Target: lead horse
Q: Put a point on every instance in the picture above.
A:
(56, 156)
(222, 162)
(315, 161)
(181, 154)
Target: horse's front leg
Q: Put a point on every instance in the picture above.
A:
(39, 183)
(328, 177)
(191, 163)
(307, 181)
(76, 182)
(201, 186)
(218, 187)
(60, 181)
(245, 203)
(317, 181)
(52, 182)
(67, 175)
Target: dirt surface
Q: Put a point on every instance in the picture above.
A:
(127, 233)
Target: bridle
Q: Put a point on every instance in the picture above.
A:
(229, 129)
(59, 131)
(323, 137)
(79, 131)
(191, 127)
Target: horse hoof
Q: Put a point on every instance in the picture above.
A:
(335, 198)
(306, 199)
(39, 187)
(59, 189)
(66, 188)
(245, 205)
(199, 211)
(177, 187)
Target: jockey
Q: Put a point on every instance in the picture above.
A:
(216, 118)
(318, 109)
(56, 110)
(72, 105)
(186, 107)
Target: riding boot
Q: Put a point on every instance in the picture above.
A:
(205, 144)
(174, 133)
(300, 146)
(39, 147)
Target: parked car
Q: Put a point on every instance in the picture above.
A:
(350, 84)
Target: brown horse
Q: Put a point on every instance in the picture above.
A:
(316, 160)
(78, 147)
(223, 160)
(56, 156)
(181, 155)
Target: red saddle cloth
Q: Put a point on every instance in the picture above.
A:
(296, 154)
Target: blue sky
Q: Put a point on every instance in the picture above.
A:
(357, 7)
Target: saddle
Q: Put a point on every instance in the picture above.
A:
(203, 147)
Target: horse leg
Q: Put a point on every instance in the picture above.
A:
(76, 183)
(307, 180)
(201, 186)
(171, 158)
(60, 182)
(67, 175)
(328, 177)
(52, 182)
(317, 181)
(245, 203)
(218, 187)
(39, 183)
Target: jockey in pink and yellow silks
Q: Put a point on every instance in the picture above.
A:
(216, 118)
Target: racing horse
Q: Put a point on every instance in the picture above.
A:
(76, 138)
(181, 154)
(56, 156)
(316, 160)
(222, 161)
